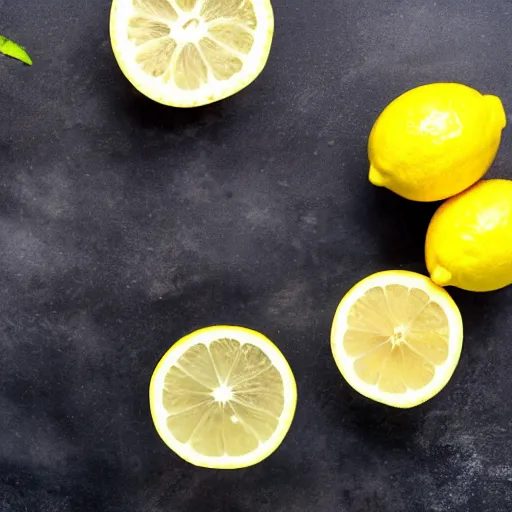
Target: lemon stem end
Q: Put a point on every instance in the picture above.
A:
(498, 110)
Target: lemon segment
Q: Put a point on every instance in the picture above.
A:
(187, 53)
(469, 239)
(435, 141)
(397, 338)
(223, 397)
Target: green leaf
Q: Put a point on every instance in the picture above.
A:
(11, 49)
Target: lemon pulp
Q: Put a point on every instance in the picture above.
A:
(191, 52)
(397, 338)
(223, 397)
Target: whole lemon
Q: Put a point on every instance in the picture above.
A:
(469, 240)
(435, 141)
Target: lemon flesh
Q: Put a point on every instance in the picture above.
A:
(397, 338)
(223, 397)
(435, 141)
(187, 53)
(469, 239)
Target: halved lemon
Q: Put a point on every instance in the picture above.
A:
(187, 53)
(397, 338)
(223, 397)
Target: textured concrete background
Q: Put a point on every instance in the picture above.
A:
(124, 225)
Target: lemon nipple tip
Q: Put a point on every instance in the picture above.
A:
(441, 276)
(376, 177)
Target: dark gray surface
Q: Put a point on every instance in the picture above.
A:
(124, 225)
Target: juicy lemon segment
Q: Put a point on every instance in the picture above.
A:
(187, 53)
(223, 397)
(397, 338)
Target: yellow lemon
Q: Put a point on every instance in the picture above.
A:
(223, 397)
(435, 141)
(187, 53)
(469, 240)
(397, 338)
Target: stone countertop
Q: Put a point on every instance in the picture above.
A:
(125, 225)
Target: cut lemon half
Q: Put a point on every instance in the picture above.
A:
(187, 53)
(397, 338)
(223, 397)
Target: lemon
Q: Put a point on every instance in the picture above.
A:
(435, 141)
(187, 53)
(397, 338)
(223, 397)
(469, 239)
